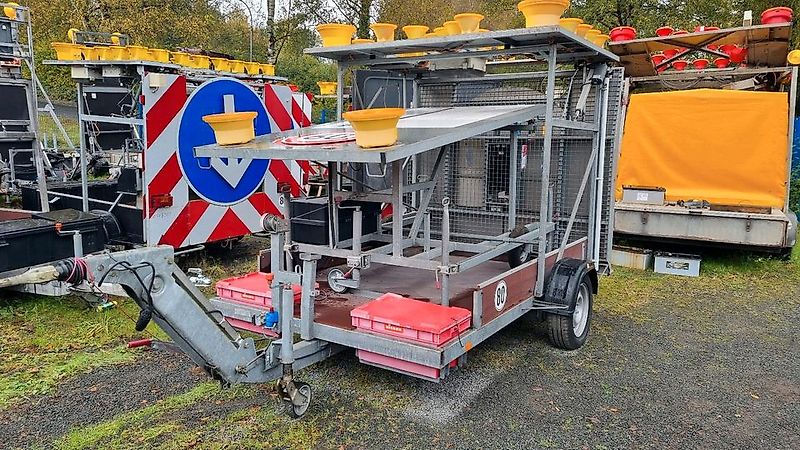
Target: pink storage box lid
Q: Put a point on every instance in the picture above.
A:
(255, 283)
(410, 313)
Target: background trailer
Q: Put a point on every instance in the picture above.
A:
(705, 156)
(144, 117)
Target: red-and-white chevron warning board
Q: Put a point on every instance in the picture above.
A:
(175, 212)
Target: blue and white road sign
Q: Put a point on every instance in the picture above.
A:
(221, 181)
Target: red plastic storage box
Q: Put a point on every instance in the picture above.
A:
(398, 365)
(252, 289)
(412, 320)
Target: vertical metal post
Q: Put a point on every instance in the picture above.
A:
(620, 124)
(544, 213)
(276, 252)
(287, 215)
(792, 107)
(512, 180)
(38, 155)
(333, 211)
(339, 91)
(33, 108)
(286, 314)
(77, 244)
(445, 251)
(601, 169)
(427, 223)
(357, 230)
(82, 137)
(281, 301)
(477, 308)
(593, 175)
(397, 208)
(415, 94)
(404, 93)
(307, 296)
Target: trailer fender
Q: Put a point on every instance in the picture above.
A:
(563, 283)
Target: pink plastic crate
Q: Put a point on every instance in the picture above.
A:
(422, 322)
(398, 364)
(253, 289)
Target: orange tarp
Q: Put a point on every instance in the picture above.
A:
(726, 147)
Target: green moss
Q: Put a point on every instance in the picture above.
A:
(163, 426)
(115, 429)
(47, 340)
(54, 368)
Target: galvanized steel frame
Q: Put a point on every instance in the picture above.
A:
(187, 317)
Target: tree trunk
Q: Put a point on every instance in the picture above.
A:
(363, 18)
(272, 42)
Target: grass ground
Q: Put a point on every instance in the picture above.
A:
(672, 362)
(49, 130)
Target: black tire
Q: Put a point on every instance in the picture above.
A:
(562, 329)
(521, 254)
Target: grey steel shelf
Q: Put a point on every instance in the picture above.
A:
(420, 130)
(570, 47)
(767, 45)
(711, 73)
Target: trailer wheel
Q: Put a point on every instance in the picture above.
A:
(334, 278)
(298, 406)
(571, 331)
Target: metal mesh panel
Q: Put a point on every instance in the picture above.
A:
(499, 90)
(476, 171)
(615, 117)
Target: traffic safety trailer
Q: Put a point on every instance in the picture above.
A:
(500, 199)
(706, 154)
(143, 118)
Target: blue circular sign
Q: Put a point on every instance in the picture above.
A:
(223, 181)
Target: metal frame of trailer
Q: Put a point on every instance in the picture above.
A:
(20, 137)
(766, 229)
(554, 217)
(95, 79)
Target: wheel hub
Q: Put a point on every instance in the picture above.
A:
(580, 316)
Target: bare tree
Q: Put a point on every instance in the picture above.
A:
(357, 12)
(271, 40)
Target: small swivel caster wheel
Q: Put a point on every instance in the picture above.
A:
(335, 276)
(297, 405)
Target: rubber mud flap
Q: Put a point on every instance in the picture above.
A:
(563, 282)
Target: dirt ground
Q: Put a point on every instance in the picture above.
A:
(672, 362)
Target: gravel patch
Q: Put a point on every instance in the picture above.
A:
(96, 397)
(697, 366)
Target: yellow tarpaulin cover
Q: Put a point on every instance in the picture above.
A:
(726, 147)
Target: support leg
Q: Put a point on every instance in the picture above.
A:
(445, 251)
(397, 208)
(544, 201)
(83, 152)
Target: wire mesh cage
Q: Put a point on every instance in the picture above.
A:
(494, 180)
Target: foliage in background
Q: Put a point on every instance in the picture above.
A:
(172, 25)
(203, 24)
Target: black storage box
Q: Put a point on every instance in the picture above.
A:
(34, 241)
(130, 219)
(310, 219)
